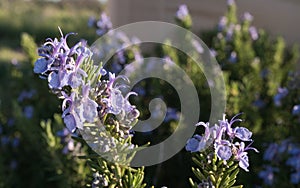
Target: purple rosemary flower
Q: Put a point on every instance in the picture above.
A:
(91, 21)
(103, 24)
(66, 140)
(247, 17)
(87, 108)
(264, 73)
(42, 66)
(296, 110)
(4, 140)
(15, 142)
(213, 52)
(270, 152)
(198, 143)
(230, 32)
(194, 144)
(230, 2)
(241, 155)
(222, 23)
(70, 116)
(182, 12)
(242, 133)
(222, 137)
(253, 33)
(223, 152)
(259, 103)
(281, 93)
(228, 125)
(233, 57)
(28, 111)
(198, 46)
(26, 95)
(268, 174)
(172, 114)
(61, 64)
(295, 178)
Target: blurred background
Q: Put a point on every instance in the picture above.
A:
(259, 55)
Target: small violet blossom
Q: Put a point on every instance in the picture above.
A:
(281, 93)
(253, 33)
(182, 12)
(222, 23)
(230, 2)
(247, 17)
(268, 175)
(296, 110)
(103, 25)
(198, 143)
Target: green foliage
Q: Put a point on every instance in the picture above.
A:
(29, 46)
(213, 171)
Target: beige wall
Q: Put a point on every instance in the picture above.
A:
(280, 17)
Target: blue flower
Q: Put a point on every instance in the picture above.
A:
(194, 144)
(86, 108)
(54, 81)
(222, 23)
(241, 155)
(268, 175)
(295, 178)
(70, 116)
(247, 17)
(103, 24)
(243, 133)
(198, 46)
(182, 12)
(28, 111)
(172, 114)
(259, 103)
(233, 57)
(41, 66)
(281, 93)
(26, 95)
(91, 21)
(197, 142)
(296, 110)
(230, 2)
(223, 152)
(15, 142)
(5, 140)
(70, 122)
(253, 33)
(230, 32)
(270, 152)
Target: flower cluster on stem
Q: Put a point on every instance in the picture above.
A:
(224, 141)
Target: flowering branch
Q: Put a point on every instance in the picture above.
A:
(219, 152)
(93, 108)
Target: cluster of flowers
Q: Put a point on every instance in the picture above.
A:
(221, 139)
(72, 75)
(276, 154)
(228, 28)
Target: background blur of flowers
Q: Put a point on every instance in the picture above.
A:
(260, 74)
